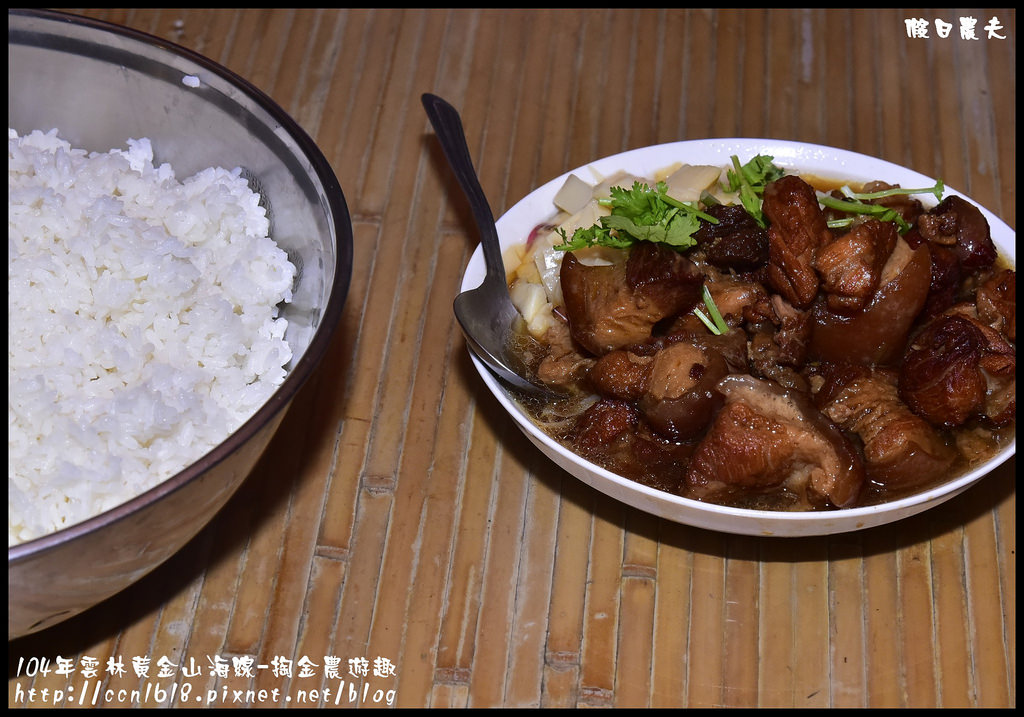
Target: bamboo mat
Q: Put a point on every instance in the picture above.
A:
(400, 518)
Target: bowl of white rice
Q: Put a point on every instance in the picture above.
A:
(179, 254)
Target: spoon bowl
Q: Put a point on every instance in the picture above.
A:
(486, 314)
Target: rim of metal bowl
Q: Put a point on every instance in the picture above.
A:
(322, 335)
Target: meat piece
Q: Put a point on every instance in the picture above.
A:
(946, 276)
(736, 242)
(659, 272)
(793, 334)
(996, 300)
(620, 374)
(960, 225)
(611, 434)
(611, 306)
(605, 422)
(850, 266)
(732, 345)
(901, 449)
(672, 379)
(766, 438)
(778, 349)
(942, 377)
(739, 300)
(998, 364)
(563, 365)
(765, 361)
(796, 231)
(878, 333)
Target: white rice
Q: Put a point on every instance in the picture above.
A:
(143, 326)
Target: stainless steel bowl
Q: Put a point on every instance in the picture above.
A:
(100, 84)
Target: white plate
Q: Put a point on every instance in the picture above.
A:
(515, 225)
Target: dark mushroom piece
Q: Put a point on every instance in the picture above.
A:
(681, 395)
(736, 242)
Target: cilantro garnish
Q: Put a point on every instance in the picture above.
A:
(640, 214)
(749, 180)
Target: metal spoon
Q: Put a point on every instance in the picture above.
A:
(486, 314)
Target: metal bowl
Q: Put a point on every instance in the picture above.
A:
(100, 84)
(827, 162)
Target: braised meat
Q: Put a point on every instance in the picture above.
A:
(946, 276)
(769, 438)
(996, 300)
(901, 450)
(621, 374)
(957, 369)
(610, 306)
(877, 333)
(562, 364)
(796, 231)
(851, 265)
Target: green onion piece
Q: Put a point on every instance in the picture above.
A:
(937, 190)
(857, 207)
(716, 324)
(708, 199)
(707, 322)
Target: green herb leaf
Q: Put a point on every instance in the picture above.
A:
(756, 173)
(750, 179)
(640, 214)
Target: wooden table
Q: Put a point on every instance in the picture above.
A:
(399, 517)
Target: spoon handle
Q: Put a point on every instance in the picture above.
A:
(448, 127)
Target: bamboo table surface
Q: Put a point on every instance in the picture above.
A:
(399, 517)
